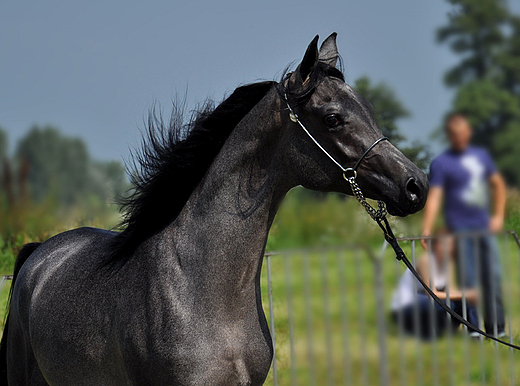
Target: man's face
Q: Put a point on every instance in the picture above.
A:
(443, 248)
(459, 133)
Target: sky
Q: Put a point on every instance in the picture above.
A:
(94, 68)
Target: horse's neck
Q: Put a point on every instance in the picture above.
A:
(223, 227)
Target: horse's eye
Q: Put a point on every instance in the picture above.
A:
(331, 120)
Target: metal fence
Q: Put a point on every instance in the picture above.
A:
(329, 315)
(328, 311)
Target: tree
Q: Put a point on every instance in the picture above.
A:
(388, 109)
(61, 166)
(108, 180)
(487, 37)
(55, 162)
(3, 145)
(474, 30)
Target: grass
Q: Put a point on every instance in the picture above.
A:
(336, 339)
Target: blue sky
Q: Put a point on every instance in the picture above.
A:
(94, 68)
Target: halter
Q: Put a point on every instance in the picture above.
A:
(379, 216)
(349, 174)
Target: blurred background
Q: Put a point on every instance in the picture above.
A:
(77, 80)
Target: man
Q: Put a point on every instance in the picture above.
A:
(463, 175)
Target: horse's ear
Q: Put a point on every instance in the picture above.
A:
(310, 60)
(329, 50)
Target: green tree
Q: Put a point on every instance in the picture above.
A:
(474, 30)
(108, 180)
(3, 145)
(61, 166)
(55, 162)
(507, 144)
(487, 37)
(388, 109)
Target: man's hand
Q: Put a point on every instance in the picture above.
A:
(424, 242)
(496, 224)
(431, 210)
(498, 187)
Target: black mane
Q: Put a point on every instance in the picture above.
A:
(175, 157)
(172, 162)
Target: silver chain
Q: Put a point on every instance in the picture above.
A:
(376, 215)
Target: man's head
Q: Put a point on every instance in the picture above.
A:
(458, 131)
(443, 246)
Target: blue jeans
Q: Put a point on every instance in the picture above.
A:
(426, 320)
(478, 263)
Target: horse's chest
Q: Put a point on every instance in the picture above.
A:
(204, 353)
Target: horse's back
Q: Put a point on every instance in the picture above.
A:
(57, 306)
(72, 257)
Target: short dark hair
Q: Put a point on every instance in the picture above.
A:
(440, 234)
(451, 116)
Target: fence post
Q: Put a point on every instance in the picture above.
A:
(288, 285)
(271, 317)
(344, 319)
(308, 318)
(380, 305)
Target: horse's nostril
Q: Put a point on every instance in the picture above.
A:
(412, 190)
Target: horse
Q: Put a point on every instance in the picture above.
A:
(174, 298)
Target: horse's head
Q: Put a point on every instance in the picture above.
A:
(342, 122)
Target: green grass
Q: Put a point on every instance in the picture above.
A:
(355, 356)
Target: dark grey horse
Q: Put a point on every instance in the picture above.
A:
(174, 299)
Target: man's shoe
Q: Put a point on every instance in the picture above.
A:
(474, 335)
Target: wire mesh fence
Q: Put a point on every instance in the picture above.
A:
(331, 317)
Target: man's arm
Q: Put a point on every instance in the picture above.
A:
(498, 188)
(431, 211)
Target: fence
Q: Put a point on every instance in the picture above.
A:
(329, 311)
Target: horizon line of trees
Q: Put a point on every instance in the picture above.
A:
(485, 34)
(49, 165)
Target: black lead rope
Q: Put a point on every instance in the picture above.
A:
(400, 255)
(379, 216)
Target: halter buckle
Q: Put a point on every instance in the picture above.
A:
(352, 172)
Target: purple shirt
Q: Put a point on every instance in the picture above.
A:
(464, 178)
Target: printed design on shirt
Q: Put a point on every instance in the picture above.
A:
(475, 193)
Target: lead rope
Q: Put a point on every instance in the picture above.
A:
(379, 216)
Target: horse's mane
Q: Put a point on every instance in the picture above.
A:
(172, 162)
